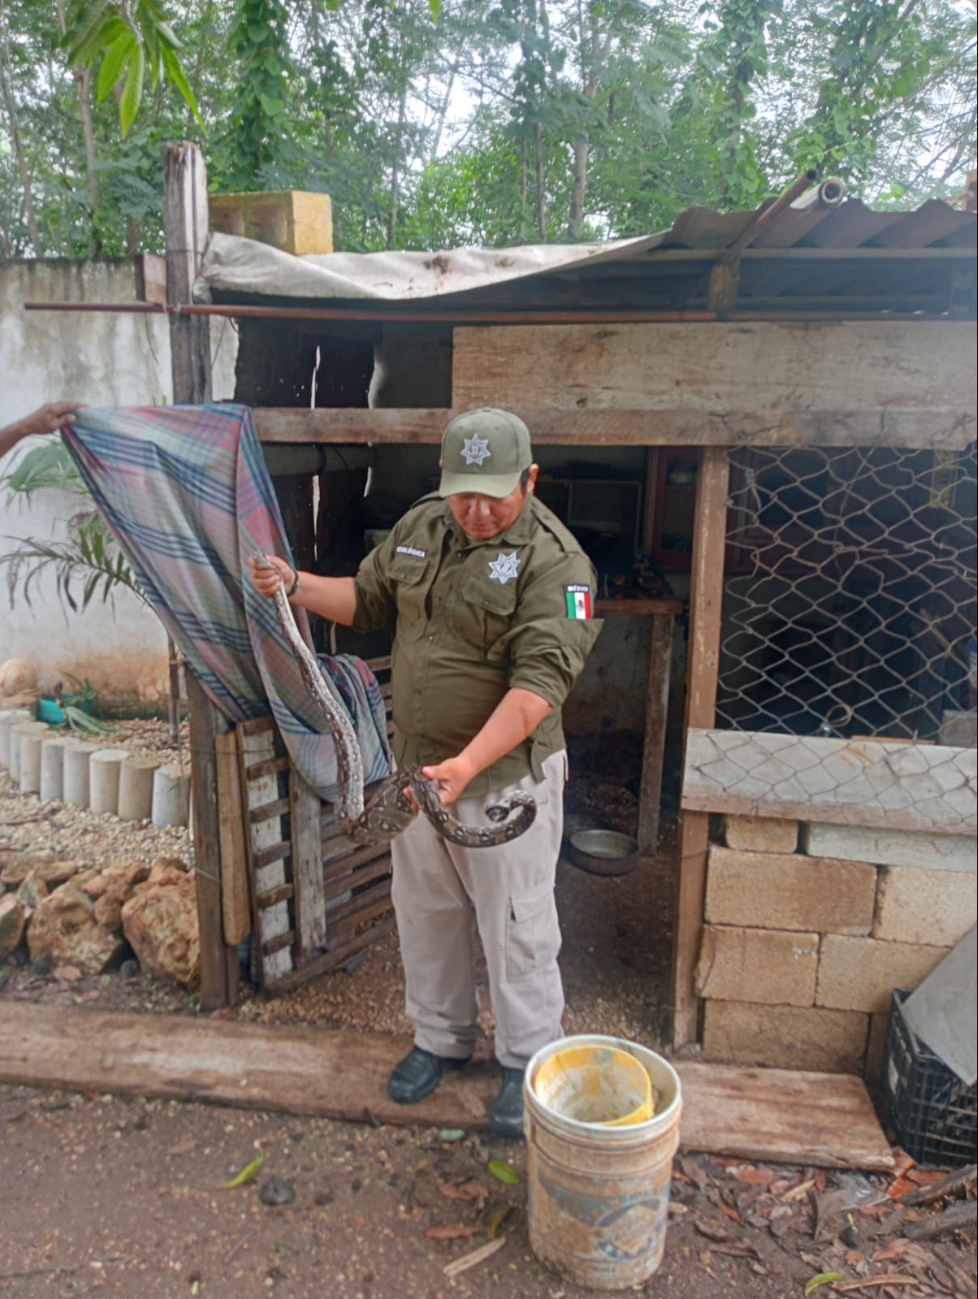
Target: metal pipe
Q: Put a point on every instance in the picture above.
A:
(828, 194)
(763, 217)
(253, 312)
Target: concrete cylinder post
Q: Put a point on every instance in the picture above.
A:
(31, 736)
(53, 768)
(16, 732)
(103, 779)
(136, 788)
(9, 719)
(171, 796)
(76, 772)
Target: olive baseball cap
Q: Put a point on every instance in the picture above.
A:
(484, 450)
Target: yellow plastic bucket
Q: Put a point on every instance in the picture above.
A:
(596, 1084)
(598, 1193)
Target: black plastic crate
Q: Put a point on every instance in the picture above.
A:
(931, 1111)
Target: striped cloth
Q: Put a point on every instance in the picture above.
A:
(188, 496)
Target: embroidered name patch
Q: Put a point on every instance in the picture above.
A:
(578, 600)
(412, 550)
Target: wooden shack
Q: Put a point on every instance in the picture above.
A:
(778, 409)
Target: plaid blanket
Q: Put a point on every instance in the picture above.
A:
(187, 494)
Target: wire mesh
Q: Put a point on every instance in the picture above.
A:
(849, 615)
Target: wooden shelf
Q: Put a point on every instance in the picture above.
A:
(638, 607)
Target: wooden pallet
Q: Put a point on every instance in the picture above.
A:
(309, 899)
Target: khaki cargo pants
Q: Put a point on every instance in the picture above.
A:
(443, 894)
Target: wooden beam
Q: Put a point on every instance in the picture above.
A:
(885, 784)
(218, 961)
(757, 1114)
(950, 429)
(763, 366)
(185, 233)
(654, 741)
(305, 816)
(235, 893)
(703, 661)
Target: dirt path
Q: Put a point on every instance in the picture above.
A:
(106, 1196)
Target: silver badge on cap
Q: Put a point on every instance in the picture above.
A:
(475, 450)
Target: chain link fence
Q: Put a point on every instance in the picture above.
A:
(849, 614)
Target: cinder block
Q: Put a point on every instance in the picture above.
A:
(785, 1037)
(760, 834)
(949, 852)
(925, 906)
(295, 221)
(861, 973)
(773, 891)
(774, 966)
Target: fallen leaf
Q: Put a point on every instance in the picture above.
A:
(359, 1220)
(824, 1278)
(753, 1176)
(799, 1192)
(854, 1258)
(900, 1186)
(780, 1186)
(451, 1233)
(925, 1176)
(92, 994)
(711, 1232)
(902, 1161)
(67, 973)
(731, 1213)
(503, 1173)
(246, 1174)
(470, 1260)
(894, 1251)
(469, 1191)
(865, 1282)
(183, 1147)
(498, 1219)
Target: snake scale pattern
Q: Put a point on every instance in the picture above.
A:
(396, 801)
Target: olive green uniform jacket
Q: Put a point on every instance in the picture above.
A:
(473, 619)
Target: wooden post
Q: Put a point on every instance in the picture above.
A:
(653, 748)
(185, 233)
(185, 230)
(703, 662)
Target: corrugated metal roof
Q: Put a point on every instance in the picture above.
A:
(848, 259)
(850, 225)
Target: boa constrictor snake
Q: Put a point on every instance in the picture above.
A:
(395, 801)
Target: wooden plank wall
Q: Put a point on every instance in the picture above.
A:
(315, 899)
(840, 365)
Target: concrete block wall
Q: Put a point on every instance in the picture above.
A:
(808, 928)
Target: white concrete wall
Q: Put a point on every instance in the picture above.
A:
(103, 359)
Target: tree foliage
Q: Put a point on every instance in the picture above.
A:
(486, 122)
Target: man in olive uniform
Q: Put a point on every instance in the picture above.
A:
(489, 600)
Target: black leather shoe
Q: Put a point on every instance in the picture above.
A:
(506, 1119)
(418, 1074)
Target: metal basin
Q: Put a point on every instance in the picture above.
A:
(575, 822)
(603, 852)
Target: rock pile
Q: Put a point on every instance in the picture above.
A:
(72, 915)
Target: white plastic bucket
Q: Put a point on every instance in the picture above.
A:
(598, 1196)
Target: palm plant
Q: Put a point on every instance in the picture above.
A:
(88, 564)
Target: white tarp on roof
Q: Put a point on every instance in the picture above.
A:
(234, 264)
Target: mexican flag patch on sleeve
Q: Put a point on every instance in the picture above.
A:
(578, 601)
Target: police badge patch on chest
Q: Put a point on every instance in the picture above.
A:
(504, 568)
